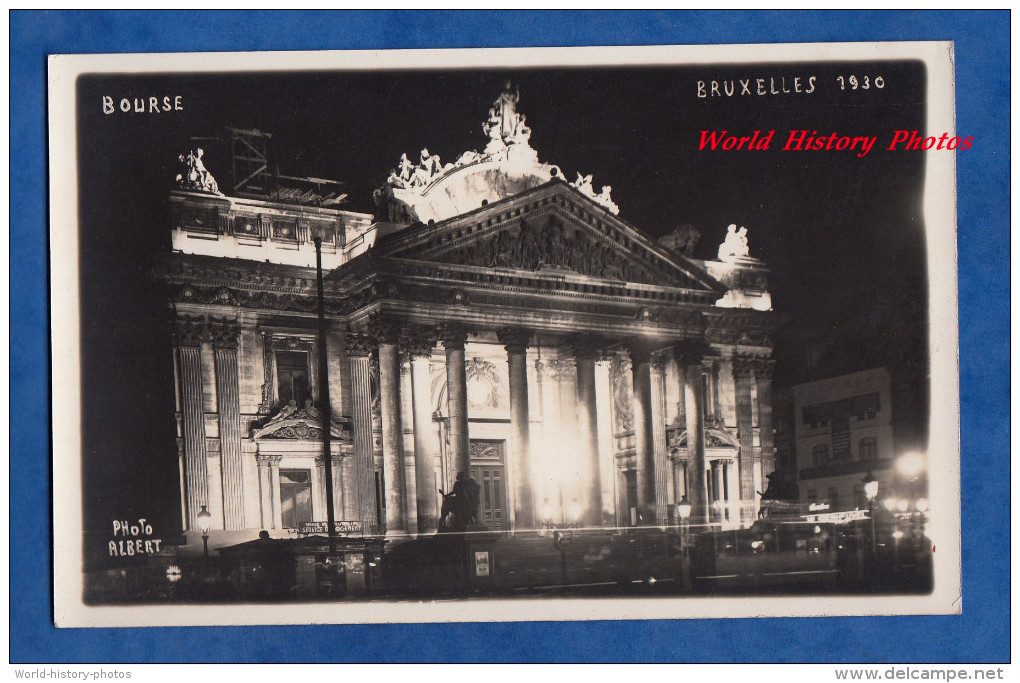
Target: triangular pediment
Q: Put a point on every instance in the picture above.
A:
(549, 229)
(299, 423)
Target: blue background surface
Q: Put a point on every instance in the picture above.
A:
(980, 634)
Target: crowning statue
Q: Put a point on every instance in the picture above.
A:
(505, 113)
(508, 147)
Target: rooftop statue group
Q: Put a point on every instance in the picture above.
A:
(735, 244)
(509, 140)
(194, 175)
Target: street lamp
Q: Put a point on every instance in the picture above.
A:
(683, 513)
(871, 492)
(204, 517)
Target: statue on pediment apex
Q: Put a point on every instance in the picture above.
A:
(194, 175)
(504, 115)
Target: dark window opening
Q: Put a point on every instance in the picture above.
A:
(292, 373)
(867, 449)
(295, 497)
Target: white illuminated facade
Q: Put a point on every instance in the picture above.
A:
(505, 322)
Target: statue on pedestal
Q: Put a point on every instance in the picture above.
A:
(735, 244)
(194, 175)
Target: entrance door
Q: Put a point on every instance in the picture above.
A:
(489, 470)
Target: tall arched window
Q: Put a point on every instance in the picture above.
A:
(867, 448)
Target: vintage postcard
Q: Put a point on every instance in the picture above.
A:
(507, 334)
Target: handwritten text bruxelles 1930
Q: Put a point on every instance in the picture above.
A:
(810, 140)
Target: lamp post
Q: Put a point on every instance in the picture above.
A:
(871, 492)
(327, 451)
(204, 517)
(683, 513)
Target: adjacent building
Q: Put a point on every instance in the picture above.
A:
(843, 430)
(500, 321)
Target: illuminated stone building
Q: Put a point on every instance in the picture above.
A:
(500, 320)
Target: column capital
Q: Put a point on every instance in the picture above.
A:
(268, 460)
(586, 347)
(387, 330)
(359, 344)
(563, 368)
(764, 368)
(225, 333)
(640, 351)
(418, 342)
(514, 339)
(453, 336)
(190, 331)
(744, 366)
(659, 360)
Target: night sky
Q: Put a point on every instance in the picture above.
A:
(843, 236)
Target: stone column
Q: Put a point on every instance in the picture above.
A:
(516, 343)
(420, 350)
(456, 387)
(392, 435)
(265, 492)
(743, 376)
(694, 410)
(587, 430)
(662, 474)
(339, 496)
(320, 478)
(229, 407)
(359, 347)
(763, 375)
(644, 444)
(196, 472)
(274, 478)
(717, 494)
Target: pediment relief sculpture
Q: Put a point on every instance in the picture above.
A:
(715, 437)
(554, 245)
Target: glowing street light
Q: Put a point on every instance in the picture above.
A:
(871, 492)
(870, 487)
(683, 513)
(910, 465)
(204, 518)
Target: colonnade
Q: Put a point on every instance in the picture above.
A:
(410, 506)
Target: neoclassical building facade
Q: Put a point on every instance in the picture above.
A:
(500, 321)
